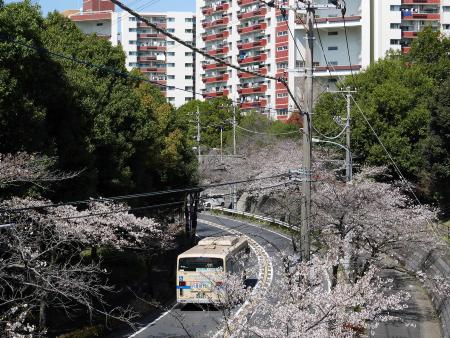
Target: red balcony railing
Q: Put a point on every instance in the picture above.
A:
(218, 51)
(253, 14)
(212, 37)
(243, 75)
(250, 59)
(154, 70)
(224, 92)
(409, 35)
(252, 90)
(255, 104)
(144, 48)
(422, 16)
(208, 10)
(144, 25)
(254, 28)
(146, 58)
(406, 50)
(251, 45)
(420, 2)
(220, 78)
(247, 2)
(153, 36)
(333, 19)
(213, 66)
(216, 23)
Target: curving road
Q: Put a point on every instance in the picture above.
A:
(192, 321)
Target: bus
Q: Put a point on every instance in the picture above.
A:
(201, 269)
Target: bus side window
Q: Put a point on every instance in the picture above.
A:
(229, 264)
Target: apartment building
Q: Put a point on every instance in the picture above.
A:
(162, 60)
(255, 36)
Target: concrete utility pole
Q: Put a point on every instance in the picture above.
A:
(307, 135)
(348, 155)
(310, 7)
(198, 134)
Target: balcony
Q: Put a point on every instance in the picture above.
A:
(338, 68)
(253, 90)
(213, 66)
(144, 25)
(409, 35)
(153, 70)
(252, 45)
(145, 48)
(408, 15)
(151, 36)
(255, 104)
(332, 20)
(247, 2)
(220, 78)
(218, 36)
(146, 58)
(243, 75)
(251, 29)
(405, 50)
(208, 10)
(218, 51)
(421, 2)
(252, 14)
(224, 92)
(250, 59)
(216, 23)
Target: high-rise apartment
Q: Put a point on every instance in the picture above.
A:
(257, 37)
(161, 59)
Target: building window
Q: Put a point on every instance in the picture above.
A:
(188, 88)
(395, 8)
(188, 19)
(446, 26)
(132, 42)
(332, 48)
(446, 8)
(171, 99)
(99, 24)
(188, 77)
(170, 88)
(333, 63)
(188, 30)
(282, 65)
(171, 53)
(131, 18)
(282, 112)
(281, 48)
(170, 43)
(171, 77)
(281, 95)
(171, 64)
(188, 53)
(333, 33)
(132, 30)
(171, 30)
(186, 99)
(188, 64)
(170, 19)
(395, 26)
(395, 42)
(282, 33)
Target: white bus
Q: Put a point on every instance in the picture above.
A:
(201, 269)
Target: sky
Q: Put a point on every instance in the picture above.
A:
(143, 5)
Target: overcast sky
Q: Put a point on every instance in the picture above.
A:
(144, 5)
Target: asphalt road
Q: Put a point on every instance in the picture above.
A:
(193, 321)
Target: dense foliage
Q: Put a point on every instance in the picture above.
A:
(119, 131)
(402, 96)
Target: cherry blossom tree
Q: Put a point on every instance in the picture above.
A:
(41, 262)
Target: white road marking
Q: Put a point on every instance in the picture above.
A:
(150, 324)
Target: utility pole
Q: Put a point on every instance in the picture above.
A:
(310, 7)
(221, 145)
(198, 134)
(307, 135)
(348, 155)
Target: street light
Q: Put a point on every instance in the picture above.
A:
(348, 164)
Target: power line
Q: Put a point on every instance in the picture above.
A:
(143, 195)
(270, 134)
(101, 67)
(343, 11)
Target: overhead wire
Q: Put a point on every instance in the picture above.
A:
(269, 134)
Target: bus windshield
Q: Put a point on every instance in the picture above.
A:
(200, 264)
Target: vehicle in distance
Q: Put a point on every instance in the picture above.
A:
(202, 269)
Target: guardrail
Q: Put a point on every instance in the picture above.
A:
(258, 217)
